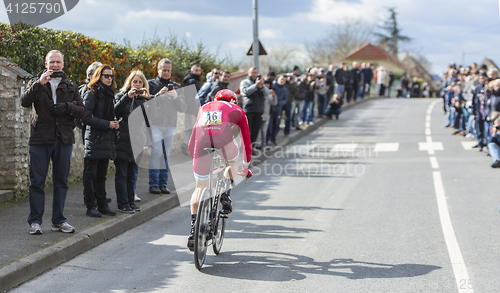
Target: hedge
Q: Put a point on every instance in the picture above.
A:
(27, 46)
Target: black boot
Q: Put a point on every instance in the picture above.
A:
(190, 243)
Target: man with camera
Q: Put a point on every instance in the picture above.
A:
(253, 92)
(163, 122)
(56, 103)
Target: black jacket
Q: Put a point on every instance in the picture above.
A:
(192, 104)
(45, 127)
(99, 138)
(216, 87)
(124, 105)
(166, 112)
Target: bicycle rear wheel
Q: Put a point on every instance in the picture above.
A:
(220, 227)
(202, 229)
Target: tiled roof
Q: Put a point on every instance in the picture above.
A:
(9, 65)
(371, 52)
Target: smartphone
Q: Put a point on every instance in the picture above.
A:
(56, 74)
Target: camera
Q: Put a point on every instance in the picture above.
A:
(57, 74)
(170, 87)
(139, 92)
(259, 76)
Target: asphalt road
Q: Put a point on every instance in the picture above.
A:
(382, 200)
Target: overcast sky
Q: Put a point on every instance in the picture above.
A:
(442, 30)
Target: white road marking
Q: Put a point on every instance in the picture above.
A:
(434, 163)
(386, 147)
(457, 261)
(467, 145)
(345, 147)
(427, 131)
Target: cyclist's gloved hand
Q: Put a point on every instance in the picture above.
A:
(246, 172)
(58, 109)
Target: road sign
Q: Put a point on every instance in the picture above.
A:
(261, 50)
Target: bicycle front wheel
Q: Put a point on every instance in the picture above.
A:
(202, 229)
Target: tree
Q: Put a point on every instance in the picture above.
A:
(339, 41)
(393, 36)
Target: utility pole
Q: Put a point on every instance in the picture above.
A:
(255, 34)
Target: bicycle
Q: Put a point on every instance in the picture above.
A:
(211, 222)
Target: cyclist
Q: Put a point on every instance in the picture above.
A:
(213, 129)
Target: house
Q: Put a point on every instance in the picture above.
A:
(376, 55)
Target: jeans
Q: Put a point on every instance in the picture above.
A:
(330, 112)
(487, 131)
(306, 115)
(479, 123)
(136, 175)
(163, 136)
(339, 90)
(189, 121)
(94, 182)
(494, 150)
(274, 123)
(40, 156)
(288, 117)
(297, 104)
(322, 103)
(124, 182)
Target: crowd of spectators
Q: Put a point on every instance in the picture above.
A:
(102, 109)
(471, 98)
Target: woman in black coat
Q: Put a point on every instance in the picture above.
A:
(99, 139)
(134, 93)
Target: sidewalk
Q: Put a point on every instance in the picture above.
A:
(24, 256)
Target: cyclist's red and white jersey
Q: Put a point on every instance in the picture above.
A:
(214, 121)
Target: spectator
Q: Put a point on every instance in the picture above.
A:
(492, 107)
(311, 90)
(99, 139)
(192, 78)
(367, 79)
(357, 80)
(323, 97)
(381, 79)
(292, 88)
(478, 110)
(270, 101)
(296, 71)
(253, 92)
(329, 80)
(390, 81)
(57, 104)
(405, 85)
(348, 80)
(271, 76)
(83, 89)
(163, 129)
(335, 107)
(494, 145)
(220, 84)
(202, 94)
(298, 102)
(415, 87)
(340, 80)
(134, 92)
(282, 97)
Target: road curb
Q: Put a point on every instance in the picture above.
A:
(33, 265)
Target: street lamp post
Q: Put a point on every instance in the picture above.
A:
(255, 34)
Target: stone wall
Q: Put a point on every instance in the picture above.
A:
(14, 133)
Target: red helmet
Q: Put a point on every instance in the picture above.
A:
(228, 95)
